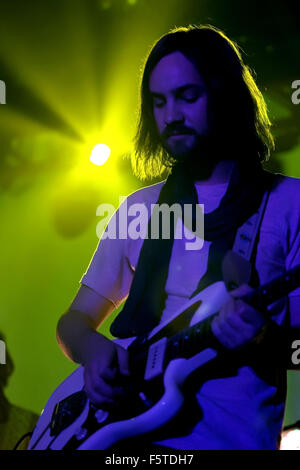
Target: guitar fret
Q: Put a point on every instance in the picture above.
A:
(274, 290)
(189, 341)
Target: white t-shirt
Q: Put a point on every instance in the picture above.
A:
(245, 410)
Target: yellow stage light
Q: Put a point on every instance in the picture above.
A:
(100, 154)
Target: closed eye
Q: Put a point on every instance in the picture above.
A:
(191, 97)
(158, 102)
(191, 100)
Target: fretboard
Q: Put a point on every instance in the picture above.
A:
(194, 339)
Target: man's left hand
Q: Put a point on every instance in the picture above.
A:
(237, 323)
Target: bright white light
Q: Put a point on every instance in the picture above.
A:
(100, 154)
(290, 440)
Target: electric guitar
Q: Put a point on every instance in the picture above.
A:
(160, 363)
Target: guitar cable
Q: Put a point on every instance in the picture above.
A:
(40, 437)
(28, 434)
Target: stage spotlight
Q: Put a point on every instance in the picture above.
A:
(290, 437)
(100, 154)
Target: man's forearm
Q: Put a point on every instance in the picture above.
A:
(76, 335)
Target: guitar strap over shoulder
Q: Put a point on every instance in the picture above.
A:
(147, 296)
(237, 267)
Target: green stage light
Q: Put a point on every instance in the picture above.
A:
(100, 154)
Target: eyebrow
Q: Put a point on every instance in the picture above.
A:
(179, 89)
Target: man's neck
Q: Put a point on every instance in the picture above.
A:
(219, 174)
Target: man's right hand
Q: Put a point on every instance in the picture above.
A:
(107, 364)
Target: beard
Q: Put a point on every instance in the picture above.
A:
(195, 154)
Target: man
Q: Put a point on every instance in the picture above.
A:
(204, 121)
(16, 423)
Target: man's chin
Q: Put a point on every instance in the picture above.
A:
(181, 152)
(197, 162)
(189, 148)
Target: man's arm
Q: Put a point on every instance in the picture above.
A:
(77, 327)
(102, 359)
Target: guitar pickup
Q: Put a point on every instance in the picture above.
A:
(155, 359)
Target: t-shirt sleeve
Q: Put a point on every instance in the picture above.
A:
(293, 256)
(293, 260)
(110, 273)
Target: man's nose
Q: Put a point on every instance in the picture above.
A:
(173, 113)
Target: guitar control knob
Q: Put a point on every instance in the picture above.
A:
(80, 434)
(101, 416)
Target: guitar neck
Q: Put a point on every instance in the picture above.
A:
(198, 337)
(193, 339)
(274, 290)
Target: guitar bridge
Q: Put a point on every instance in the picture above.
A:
(155, 359)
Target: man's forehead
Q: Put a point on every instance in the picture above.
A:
(173, 71)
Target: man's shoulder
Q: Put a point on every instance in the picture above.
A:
(283, 208)
(286, 189)
(286, 182)
(146, 195)
(285, 185)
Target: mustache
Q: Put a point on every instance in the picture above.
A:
(175, 130)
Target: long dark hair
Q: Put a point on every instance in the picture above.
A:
(240, 126)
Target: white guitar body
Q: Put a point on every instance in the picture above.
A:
(176, 372)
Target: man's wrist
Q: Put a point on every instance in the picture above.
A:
(91, 344)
